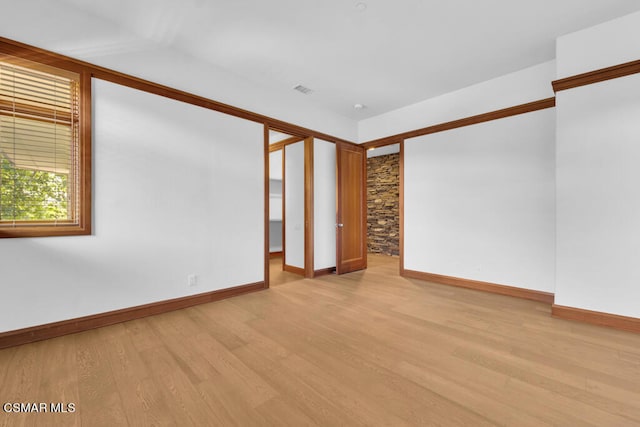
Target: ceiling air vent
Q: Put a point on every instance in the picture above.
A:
(303, 89)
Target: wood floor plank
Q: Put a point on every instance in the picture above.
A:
(145, 404)
(232, 405)
(223, 335)
(99, 399)
(321, 409)
(365, 348)
(499, 412)
(255, 389)
(178, 393)
(278, 412)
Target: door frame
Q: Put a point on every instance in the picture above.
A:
(308, 270)
(268, 149)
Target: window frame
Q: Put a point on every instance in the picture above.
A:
(82, 225)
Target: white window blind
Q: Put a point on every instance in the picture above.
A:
(39, 131)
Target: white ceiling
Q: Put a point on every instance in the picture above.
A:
(392, 54)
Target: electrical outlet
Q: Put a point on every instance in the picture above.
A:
(192, 280)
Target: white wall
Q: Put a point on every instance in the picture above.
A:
(324, 204)
(294, 204)
(275, 201)
(275, 165)
(479, 202)
(164, 207)
(530, 84)
(383, 151)
(275, 186)
(611, 43)
(275, 236)
(598, 218)
(63, 28)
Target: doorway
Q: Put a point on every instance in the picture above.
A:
(383, 201)
(276, 259)
(315, 191)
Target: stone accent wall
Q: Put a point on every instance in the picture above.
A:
(383, 204)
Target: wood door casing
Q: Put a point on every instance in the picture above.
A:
(308, 208)
(351, 225)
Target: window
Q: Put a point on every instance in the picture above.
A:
(44, 150)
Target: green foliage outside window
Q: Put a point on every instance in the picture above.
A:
(32, 195)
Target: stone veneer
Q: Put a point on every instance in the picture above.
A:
(383, 204)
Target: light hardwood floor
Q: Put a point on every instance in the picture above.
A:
(367, 348)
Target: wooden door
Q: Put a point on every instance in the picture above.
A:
(351, 225)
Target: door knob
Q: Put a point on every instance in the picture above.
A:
(339, 225)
